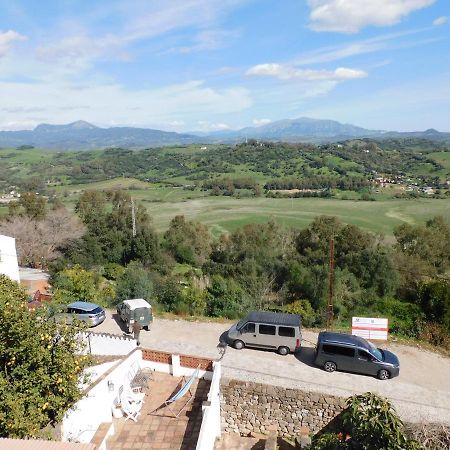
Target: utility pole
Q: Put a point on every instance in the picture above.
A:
(330, 309)
(133, 217)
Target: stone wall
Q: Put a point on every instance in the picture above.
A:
(254, 407)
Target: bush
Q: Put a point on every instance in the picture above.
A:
(302, 308)
(368, 423)
(404, 318)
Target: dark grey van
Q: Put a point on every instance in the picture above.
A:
(354, 354)
(267, 330)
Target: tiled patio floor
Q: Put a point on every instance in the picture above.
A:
(156, 428)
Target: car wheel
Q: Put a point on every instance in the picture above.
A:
(283, 351)
(384, 375)
(238, 345)
(329, 366)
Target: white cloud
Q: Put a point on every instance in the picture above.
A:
(285, 72)
(259, 122)
(441, 20)
(208, 40)
(79, 52)
(391, 41)
(6, 40)
(111, 104)
(350, 16)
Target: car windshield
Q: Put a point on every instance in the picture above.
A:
(97, 310)
(375, 351)
(240, 324)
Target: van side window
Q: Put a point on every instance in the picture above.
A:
(267, 329)
(364, 355)
(338, 350)
(286, 331)
(248, 328)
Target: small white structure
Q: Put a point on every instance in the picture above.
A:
(370, 328)
(8, 258)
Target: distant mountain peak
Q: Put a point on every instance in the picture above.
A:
(81, 124)
(77, 125)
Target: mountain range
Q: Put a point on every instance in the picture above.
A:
(81, 135)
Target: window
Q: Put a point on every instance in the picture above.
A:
(338, 350)
(364, 355)
(267, 329)
(248, 328)
(286, 331)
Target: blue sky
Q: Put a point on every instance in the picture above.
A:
(186, 65)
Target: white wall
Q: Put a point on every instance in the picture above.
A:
(210, 428)
(107, 344)
(8, 258)
(81, 422)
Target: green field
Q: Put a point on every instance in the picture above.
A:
(223, 214)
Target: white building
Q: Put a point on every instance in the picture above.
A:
(8, 258)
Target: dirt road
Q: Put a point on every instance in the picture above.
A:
(420, 393)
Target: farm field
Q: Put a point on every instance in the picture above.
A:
(223, 214)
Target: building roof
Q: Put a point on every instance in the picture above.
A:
(342, 338)
(37, 444)
(137, 303)
(27, 274)
(293, 320)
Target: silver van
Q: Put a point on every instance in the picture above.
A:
(267, 330)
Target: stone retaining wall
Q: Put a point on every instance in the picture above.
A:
(254, 407)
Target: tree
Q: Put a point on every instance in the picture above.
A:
(189, 242)
(34, 205)
(431, 242)
(39, 242)
(40, 362)
(135, 282)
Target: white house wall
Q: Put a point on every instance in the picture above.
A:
(8, 258)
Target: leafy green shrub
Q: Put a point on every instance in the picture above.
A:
(436, 335)
(302, 308)
(225, 298)
(368, 423)
(404, 318)
(112, 271)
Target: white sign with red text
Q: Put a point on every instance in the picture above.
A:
(370, 328)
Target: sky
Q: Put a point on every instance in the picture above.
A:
(208, 65)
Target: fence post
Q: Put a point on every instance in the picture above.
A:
(176, 366)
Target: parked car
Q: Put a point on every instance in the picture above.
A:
(90, 313)
(267, 330)
(133, 310)
(339, 351)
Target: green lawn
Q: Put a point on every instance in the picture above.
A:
(224, 214)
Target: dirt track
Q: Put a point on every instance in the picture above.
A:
(420, 393)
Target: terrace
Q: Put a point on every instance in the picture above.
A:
(156, 428)
(95, 418)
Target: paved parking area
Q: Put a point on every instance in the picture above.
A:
(156, 428)
(420, 393)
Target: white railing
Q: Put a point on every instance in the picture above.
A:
(107, 344)
(210, 428)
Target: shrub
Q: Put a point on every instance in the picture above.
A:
(302, 308)
(404, 318)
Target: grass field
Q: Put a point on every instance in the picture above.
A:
(223, 214)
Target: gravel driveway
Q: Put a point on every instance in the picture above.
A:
(420, 393)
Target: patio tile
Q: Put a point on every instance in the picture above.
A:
(156, 428)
